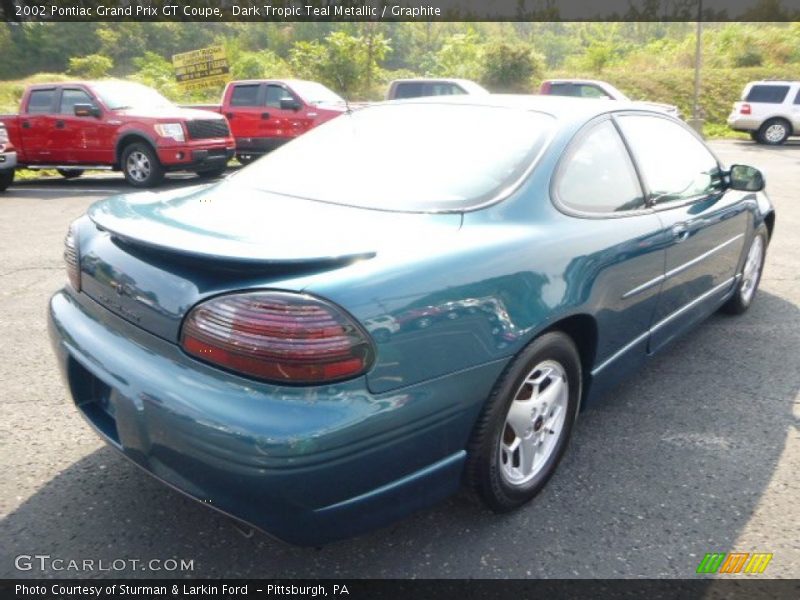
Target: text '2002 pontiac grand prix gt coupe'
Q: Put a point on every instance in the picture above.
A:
(410, 297)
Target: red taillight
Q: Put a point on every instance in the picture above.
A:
(277, 336)
(745, 109)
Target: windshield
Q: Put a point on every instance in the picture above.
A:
(316, 93)
(406, 157)
(121, 94)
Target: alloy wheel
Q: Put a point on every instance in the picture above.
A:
(752, 269)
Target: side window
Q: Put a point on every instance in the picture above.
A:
(443, 89)
(275, 94)
(797, 98)
(408, 90)
(591, 91)
(597, 174)
(69, 98)
(675, 165)
(771, 94)
(245, 95)
(41, 101)
(562, 89)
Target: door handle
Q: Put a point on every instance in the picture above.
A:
(59, 124)
(26, 125)
(265, 115)
(680, 232)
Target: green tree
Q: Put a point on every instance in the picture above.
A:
(460, 55)
(94, 66)
(510, 67)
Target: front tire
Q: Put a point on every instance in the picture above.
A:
(245, 159)
(6, 179)
(141, 166)
(526, 424)
(751, 275)
(774, 132)
(70, 173)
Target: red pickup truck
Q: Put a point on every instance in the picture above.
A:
(116, 125)
(265, 113)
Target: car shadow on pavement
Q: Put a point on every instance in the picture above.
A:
(670, 465)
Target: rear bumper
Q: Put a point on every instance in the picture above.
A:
(8, 160)
(739, 122)
(307, 465)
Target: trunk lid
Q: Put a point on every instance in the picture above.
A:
(150, 257)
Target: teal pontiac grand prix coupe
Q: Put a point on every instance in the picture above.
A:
(413, 297)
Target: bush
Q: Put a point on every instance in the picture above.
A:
(93, 66)
(510, 67)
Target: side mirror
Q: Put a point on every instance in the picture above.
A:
(86, 110)
(746, 179)
(290, 104)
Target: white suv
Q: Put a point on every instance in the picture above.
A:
(769, 111)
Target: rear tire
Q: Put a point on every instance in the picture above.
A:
(774, 132)
(751, 275)
(245, 159)
(70, 173)
(212, 173)
(141, 166)
(512, 455)
(6, 179)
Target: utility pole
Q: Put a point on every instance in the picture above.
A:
(697, 121)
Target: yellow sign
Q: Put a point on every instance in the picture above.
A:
(201, 68)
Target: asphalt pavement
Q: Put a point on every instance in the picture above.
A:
(697, 453)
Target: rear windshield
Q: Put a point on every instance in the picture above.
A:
(406, 157)
(773, 94)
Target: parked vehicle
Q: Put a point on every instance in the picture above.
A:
(8, 160)
(219, 337)
(418, 88)
(264, 114)
(769, 111)
(592, 88)
(116, 125)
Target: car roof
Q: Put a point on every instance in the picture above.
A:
(433, 80)
(567, 80)
(561, 107)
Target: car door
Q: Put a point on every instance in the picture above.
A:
(282, 124)
(704, 226)
(617, 243)
(245, 113)
(79, 139)
(37, 124)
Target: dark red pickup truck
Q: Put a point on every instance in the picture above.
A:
(265, 113)
(116, 125)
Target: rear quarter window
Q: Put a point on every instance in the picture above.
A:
(41, 101)
(771, 94)
(245, 95)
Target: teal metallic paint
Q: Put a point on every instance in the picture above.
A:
(449, 298)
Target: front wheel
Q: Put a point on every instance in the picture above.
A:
(70, 173)
(751, 275)
(526, 424)
(245, 159)
(6, 179)
(141, 166)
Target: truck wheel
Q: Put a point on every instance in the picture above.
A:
(212, 173)
(6, 179)
(70, 173)
(141, 166)
(774, 132)
(245, 159)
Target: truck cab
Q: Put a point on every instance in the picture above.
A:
(266, 113)
(116, 125)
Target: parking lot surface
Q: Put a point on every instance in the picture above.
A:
(698, 453)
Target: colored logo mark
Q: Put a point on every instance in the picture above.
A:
(734, 562)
